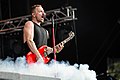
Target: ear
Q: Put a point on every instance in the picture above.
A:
(33, 14)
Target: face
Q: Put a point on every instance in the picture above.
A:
(39, 14)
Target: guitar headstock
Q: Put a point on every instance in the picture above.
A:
(71, 34)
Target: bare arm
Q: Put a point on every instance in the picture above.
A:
(29, 34)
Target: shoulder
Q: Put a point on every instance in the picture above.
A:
(29, 23)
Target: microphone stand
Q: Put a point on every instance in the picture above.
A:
(53, 37)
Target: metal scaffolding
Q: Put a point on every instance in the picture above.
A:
(64, 14)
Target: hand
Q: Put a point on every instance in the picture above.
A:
(59, 47)
(40, 59)
(49, 50)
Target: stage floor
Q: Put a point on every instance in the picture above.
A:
(18, 76)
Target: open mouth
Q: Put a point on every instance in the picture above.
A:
(43, 16)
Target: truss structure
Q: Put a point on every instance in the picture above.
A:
(61, 15)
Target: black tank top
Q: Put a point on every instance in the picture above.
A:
(40, 38)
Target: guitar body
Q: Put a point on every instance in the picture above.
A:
(31, 57)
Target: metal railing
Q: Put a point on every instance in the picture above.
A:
(61, 15)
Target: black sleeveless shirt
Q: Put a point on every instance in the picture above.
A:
(40, 38)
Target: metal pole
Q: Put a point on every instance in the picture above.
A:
(53, 37)
(9, 4)
(0, 11)
(74, 28)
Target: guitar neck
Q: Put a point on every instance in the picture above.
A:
(66, 40)
(71, 35)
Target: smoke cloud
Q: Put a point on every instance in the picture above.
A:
(62, 70)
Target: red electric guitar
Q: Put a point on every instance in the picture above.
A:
(31, 57)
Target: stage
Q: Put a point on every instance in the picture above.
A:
(18, 76)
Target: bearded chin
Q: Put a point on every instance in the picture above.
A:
(42, 21)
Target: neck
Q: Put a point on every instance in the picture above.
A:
(36, 22)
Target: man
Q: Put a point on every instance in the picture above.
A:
(35, 35)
